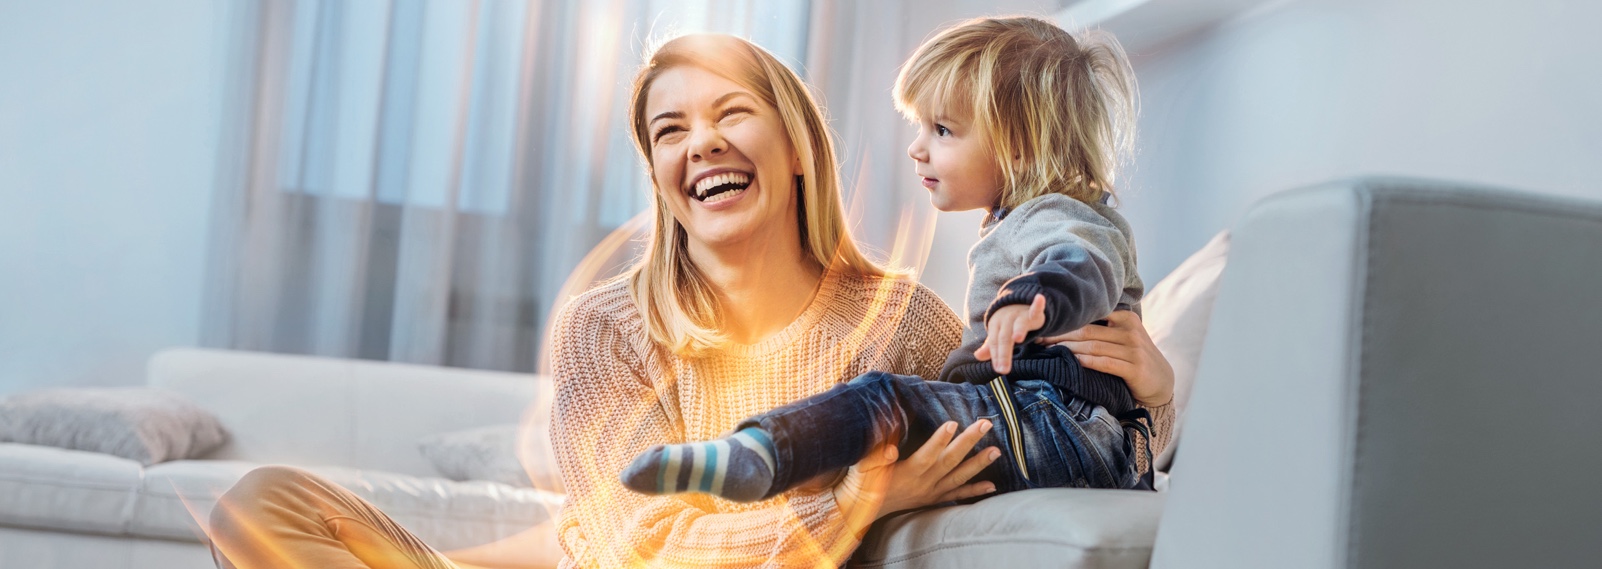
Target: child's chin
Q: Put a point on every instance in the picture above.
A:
(940, 205)
(946, 208)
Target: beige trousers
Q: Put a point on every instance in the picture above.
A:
(278, 517)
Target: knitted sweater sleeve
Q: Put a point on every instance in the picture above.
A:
(930, 330)
(606, 412)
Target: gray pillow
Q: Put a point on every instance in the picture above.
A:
(142, 424)
(490, 453)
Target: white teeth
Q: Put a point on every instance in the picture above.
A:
(723, 196)
(714, 181)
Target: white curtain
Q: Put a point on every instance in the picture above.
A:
(415, 180)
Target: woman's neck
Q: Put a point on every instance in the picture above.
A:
(760, 293)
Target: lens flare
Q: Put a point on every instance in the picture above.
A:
(613, 546)
(644, 545)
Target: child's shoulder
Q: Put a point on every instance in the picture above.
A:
(1059, 207)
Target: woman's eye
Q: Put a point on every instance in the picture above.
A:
(731, 111)
(665, 131)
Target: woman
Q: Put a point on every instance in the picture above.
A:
(751, 294)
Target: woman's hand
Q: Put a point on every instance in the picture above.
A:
(1122, 348)
(935, 473)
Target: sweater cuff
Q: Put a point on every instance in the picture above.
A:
(1015, 293)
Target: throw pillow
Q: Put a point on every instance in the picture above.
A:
(490, 453)
(142, 424)
(1176, 312)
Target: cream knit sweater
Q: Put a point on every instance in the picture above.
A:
(618, 393)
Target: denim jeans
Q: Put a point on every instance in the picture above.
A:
(1066, 441)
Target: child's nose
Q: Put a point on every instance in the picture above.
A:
(916, 150)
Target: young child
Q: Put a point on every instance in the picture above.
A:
(1018, 117)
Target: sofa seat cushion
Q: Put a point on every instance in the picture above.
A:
(445, 514)
(52, 488)
(1070, 527)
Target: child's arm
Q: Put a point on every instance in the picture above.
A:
(1075, 262)
(1008, 326)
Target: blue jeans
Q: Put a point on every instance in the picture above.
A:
(1066, 441)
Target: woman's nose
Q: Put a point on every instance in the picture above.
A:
(706, 143)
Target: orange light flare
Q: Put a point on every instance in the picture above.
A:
(639, 546)
(264, 544)
(909, 250)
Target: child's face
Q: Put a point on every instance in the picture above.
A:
(955, 163)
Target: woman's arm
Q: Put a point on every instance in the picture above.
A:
(606, 412)
(1123, 348)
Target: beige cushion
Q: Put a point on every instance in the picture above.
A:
(1176, 313)
(1070, 527)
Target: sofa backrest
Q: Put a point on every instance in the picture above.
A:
(1398, 373)
(318, 411)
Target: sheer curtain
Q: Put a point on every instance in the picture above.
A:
(415, 180)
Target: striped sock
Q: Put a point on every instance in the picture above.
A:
(738, 467)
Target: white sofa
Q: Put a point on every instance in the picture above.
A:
(356, 422)
(1398, 373)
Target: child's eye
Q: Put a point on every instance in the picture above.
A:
(941, 130)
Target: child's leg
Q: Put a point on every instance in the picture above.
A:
(819, 434)
(1072, 442)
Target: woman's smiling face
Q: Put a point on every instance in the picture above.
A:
(720, 160)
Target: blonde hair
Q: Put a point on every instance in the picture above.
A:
(674, 297)
(1058, 113)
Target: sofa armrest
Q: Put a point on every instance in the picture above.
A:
(1399, 373)
(339, 412)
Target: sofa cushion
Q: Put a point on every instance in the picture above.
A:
(1073, 527)
(137, 423)
(52, 488)
(176, 494)
(303, 410)
(1177, 311)
(450, 515)
(491, 453)
(445, 514)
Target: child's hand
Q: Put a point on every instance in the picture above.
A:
(1009, 325)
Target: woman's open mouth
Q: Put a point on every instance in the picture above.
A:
(719, 187)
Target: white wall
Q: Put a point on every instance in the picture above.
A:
(109, 115)
(1300, 92)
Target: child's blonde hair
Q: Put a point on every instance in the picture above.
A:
(673, 295)
(1058, 112)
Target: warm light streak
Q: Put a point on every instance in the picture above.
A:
(264, 543)
(641, 545)
(638, 546)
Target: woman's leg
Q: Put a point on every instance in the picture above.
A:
(278, 517)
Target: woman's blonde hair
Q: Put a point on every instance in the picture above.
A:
(1058, 113)
(676, 300)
